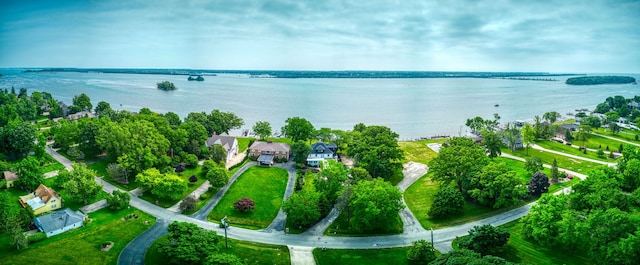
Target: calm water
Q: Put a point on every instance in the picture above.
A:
(411, 107)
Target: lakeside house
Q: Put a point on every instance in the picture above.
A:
(79, 115)
(10, 178)
(59, 222)
(42, 200)
(266, 152)
(320, 152)
(229, 143)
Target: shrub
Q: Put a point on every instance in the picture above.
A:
(243, 205)
(37, 237)
(118, 200)
(421, 252)
(180, 167)
(448, 201)
(188, 203)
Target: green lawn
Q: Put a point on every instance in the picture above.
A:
(340, 227)
(82, 245)
(396, 256)
(250, 252)
(555, 146)
(624, 134)
(191, 186)
(417, 151)
(597, 141)
(265, 186)
(573, 164)
(522, 250)
(50, 164)
(243, 143)
(101, 169)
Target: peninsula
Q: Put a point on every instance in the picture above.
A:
(599, 80)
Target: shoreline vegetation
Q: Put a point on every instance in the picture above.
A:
(600, 80)
(166, 86)
(305, 74)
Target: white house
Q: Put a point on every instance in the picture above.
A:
(321, 152)
(229, 143)
(59, 222)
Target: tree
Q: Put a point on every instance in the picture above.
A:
(591, 121)
(217, 177)
(492, 143)
(329, 184)
(542, 224)
(103, 109)
(262, 129)
(188, 203)
(568, 136)
(631, 175)
(447, 202)
(300, 150)
(465, 256)
(528, 136)
(359, 174)
(66, 134)
(551, 116)
(244, 205)
(555, 173)
(375, 204)
(323, 134)
(421, 252)
(458, 161)
(538, 184)
(377, 151)
(166, 86)
(81, 183)
(602, 108)
(222, 122)
(164, 186)
(189, 244)
(584, 131)
(30, 173)
(83, 102)
(614, 127)
(17, 139)
(533, 164)
(512, 134)
(497, 186)
(218, 154)
(18, 237)
(298, 129)
(173, 119)
(485, 239)
(118, 200)
(223, 259)
(12, 214)
(302, 208)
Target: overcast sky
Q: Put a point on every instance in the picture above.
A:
(549, 36)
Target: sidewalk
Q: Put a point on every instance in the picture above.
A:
(196, 193)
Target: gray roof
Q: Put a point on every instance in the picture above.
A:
(59, 219)
(224, 140)
(271, 147)
(321, 148)
(265, 158)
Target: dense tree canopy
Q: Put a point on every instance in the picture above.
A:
(302, 208)
(262, 129)
(459, 160)
(375, 205)
(189, 244)
(82, 102)
(496, 186)
(485, 239)
(447, 202)
(298, 129)
(376, 150)
(164, 186)
(81, 183)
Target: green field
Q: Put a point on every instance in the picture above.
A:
(572, 164)
(250, 252)
(396, 256)
(265, 186)
(101, 169)
(82, 245)
(555, 146)
(418, 151)
(147, 196)
(243, 143)
(597, 141)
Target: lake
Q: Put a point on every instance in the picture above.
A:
(412, 107)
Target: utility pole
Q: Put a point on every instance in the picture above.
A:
(432, 245)
(225, 225)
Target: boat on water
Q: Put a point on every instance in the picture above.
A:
(496, 105)
(195, 78)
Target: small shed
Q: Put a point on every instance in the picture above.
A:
(10, 177)
(265, 159)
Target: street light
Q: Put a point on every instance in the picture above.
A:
(224, 224)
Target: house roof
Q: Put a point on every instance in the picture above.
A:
(39, 197)
(321, 148)
(265, 158)
(45, 193)
(571, 126)
(270, 146)
(9, 176)
(224, 140)
(59, 219)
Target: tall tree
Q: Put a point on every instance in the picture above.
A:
(298, 129)
(189, 244)
(302, 208)
(17, 139)
(492, 143)
(497, 186)
(376, 150)
(164, 186)
(512, 134)
(528, 136)
(485, 239)
(447, 202)
(551, 116)
(81, 183)
(458, 161)
(300, 150)
(262, 129)
(538, 184)
(584, 131)
(103, 109)
(375, 204)
(330, 182)
(83, 102)
(30, 173)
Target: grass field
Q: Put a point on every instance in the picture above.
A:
(597, 141)
(250, 252)
(551, 145)
(418, 151)
(101, 169)
(396, 256)
(243, 143)
(624, 134)
(522, 250)
(82, 245)
(265, 186)
(191, 186)
(576, 165)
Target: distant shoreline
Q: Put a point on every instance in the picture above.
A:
(304, 74)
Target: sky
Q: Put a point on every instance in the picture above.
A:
(498, 35)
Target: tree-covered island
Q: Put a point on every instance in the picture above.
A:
(166, 86)
(599, 80)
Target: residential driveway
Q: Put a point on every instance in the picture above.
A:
(278, 223)
(412, 171)
(134, 252)
(94, 206)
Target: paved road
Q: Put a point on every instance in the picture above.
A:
(278, 223)
(134, 252)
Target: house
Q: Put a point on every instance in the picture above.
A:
(229, 143)
(633, 105)
(59, 221)
(517, 145)
(321, 152)
(10, 178)
(80, 115)
(562, 130)
(278, 150)
(42, 200)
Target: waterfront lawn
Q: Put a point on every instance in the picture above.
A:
(68, 201)
(341, 227)
(522, 250)
(624, 134)
(417, 151)
(597, 141)
(191, 186)
(81, 245)
(361, 256)
(243, 143)
(101, 169)
(572, 164)
(250, 252)
(555, 146)
(265, 186)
